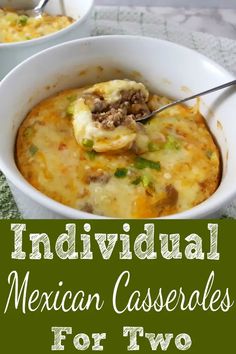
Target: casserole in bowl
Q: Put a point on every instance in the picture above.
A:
(87, 64)
(77, 26)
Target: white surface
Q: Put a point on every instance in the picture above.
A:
(148, 22)
(173, 3)
(219, 22)
(164, 73)
(12, 54)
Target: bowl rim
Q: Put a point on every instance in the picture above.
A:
(53, 35)
(199, 211)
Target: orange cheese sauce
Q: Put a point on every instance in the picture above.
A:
(178, 140)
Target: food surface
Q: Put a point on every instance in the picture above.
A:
(106, 114)
(84, 148)
(17, 27)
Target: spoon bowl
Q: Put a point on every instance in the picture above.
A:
(37, 11)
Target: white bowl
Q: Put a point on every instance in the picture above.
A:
(165, 67)
(12, 54)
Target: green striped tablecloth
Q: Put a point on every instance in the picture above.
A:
(8, 208)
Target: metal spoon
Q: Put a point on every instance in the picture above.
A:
(37, 11)
(153, 113)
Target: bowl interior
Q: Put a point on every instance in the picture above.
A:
(164, 67)
(74, 8)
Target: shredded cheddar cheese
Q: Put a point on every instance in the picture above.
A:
(172, 165)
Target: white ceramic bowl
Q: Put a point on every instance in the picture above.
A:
(165, 67)
(13, 53)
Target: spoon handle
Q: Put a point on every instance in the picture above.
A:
(231, 83)
(221, 87)
(41, 5)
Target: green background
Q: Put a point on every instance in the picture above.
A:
(31, 333)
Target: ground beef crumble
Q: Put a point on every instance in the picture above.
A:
(130, 107)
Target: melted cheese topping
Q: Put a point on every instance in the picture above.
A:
(15, 27)
(111, 90)
(173, 165)
(85, 128)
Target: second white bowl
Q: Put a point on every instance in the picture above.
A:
(12, 54)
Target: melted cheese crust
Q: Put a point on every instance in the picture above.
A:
(86, 128)
(50, 158)
(15, 27)
(111, 90)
